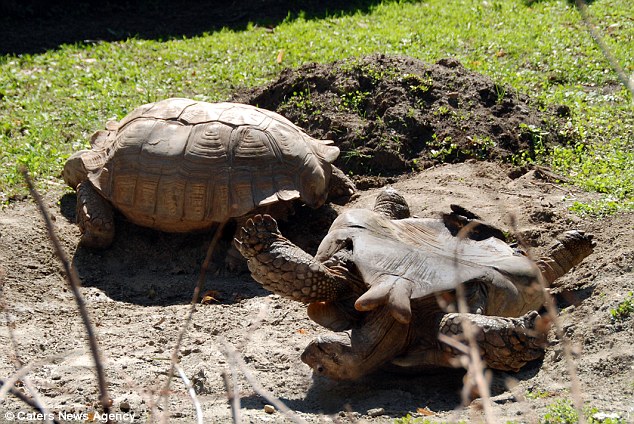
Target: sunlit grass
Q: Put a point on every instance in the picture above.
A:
(50, 103)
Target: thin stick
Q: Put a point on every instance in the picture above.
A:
(233, 356)
(627, 82)
(476, 367)
(552, 310)
(10, 382)
(199, 286)
(74, 282)
(192, 393)
(18, 362)
(233, 396)
(29, 401)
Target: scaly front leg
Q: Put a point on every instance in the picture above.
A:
(284, 268)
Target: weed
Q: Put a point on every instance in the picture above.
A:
(624, 310)
(408, 419)
(536, 147)
(417, 84)
(562, 412)
(537, 394)
(500, 91)
(355, 101)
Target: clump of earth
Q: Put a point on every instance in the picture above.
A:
(395, 119)
(392, 115)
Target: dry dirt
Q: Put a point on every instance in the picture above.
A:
(137, 292)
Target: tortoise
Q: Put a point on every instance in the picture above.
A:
(181, 165)
(387, 284)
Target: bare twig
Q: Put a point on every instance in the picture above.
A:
(553, 312)
(74, 282)
(181, 335)
(16, 358)
(231, 386)
(192, 393)
(233, 396)
(625, 80)
(233, 356)
(29, 401)
(571, 366)
(476, 368)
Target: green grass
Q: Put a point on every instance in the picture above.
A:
(624, 310)
(563, 412)
(50, 103)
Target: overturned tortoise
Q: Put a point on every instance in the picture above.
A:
(392, 281)
(180, 165)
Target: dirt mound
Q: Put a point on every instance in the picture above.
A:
(394, 114)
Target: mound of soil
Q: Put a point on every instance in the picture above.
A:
(393, 114)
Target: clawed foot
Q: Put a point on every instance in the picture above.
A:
(257, 235)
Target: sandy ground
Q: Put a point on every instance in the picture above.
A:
(137, 293)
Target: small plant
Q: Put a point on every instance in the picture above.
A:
(624, 309)
(408, 419)
(500, 91)
(563, 412)
(444, 150)
(417, 84)
(538, 394)
(354, 101)
(536, 147)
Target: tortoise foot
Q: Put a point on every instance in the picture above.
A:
(505, 344)
(95, 218)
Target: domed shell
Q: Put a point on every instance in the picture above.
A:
(180, 165)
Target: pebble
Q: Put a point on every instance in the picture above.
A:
(124, 406)
(269, 409)
(376, 412)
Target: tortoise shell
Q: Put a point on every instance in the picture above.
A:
(180, 165)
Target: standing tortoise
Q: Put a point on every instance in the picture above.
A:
(392, 281)
(179, 165)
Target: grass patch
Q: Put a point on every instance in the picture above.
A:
(51, 103)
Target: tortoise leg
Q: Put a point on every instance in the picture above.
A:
(95, 217)
(505, 344)
(341, 188)
(568, 250)
(284, 268)
(364, 349)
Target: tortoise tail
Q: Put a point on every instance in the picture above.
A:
(568, 250)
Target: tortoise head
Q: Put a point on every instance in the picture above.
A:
(332, 356)
(75, 169)
(316, 173)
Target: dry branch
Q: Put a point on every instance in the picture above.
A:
(625, 80)
(181, 335)
(29, 401)
(233, 396)
(476, 367)
(74, 283)
(192, 393)
(233, 357)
